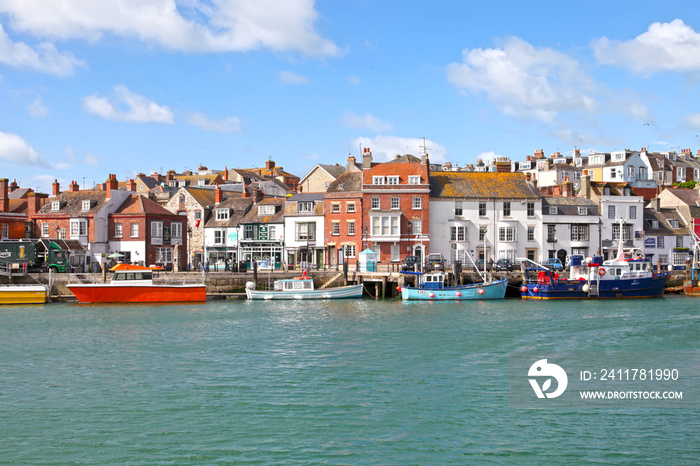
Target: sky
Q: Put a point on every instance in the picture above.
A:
(126, 86)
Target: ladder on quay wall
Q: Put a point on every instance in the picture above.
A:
(332, 280)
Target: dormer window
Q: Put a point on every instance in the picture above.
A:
(201, 182)
(223, 214)
(266, 210)
(674, 223)
(305, 206)
(606, 190)
(87, 205)
(378, 180)
(655, 224)
(55, 205)
(392, 180)
(582, 211)
(552, 211)
(414, 180)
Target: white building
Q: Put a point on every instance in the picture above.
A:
(570, 227)
(484, 215)
(304, 237)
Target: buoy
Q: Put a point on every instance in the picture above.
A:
(601, 271)
(481, 291)
(523, 288)
(536, 290)
(459, 293)
(432, 295)
(398, 288)
(585, 288)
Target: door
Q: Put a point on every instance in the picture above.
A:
(561, 255)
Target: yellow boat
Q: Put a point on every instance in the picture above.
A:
(22, 294)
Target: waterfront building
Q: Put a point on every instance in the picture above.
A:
(304, 232)
(616, 203)
(269, 172)
(222, 230)
(321, 176)
(17, 207)
(485, 215)
(262, 237)
(569, 225)
(396, 206)
(345, 233)
(667, 240)
(686, 202)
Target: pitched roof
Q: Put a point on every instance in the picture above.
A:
(569, 205)
(74, 203)
(481, 185)
(19, 193)
(346, 183)
(690, 197)
(239, 206)
(663, 216)
(136, 204)
(278, 217)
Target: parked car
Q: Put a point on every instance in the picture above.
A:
(503, 265)
(409, 263)
(435, 261)
(555, 264)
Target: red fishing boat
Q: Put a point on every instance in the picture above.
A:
(134, 284)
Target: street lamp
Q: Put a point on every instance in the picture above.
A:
(409, 225)
(189, 245)
(600, 236)
(365, 237)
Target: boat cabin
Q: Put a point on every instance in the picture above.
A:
(432, 281)
(295, 284)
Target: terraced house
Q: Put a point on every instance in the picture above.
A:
(396, 207)
(484, 216)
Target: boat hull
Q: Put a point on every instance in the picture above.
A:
(493, 290)
(22, 294)
(128, 293)
(342, 292)
(648, 287)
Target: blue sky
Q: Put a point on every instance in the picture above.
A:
(120, 86)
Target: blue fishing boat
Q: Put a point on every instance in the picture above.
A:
(431, 286)
(591, 278)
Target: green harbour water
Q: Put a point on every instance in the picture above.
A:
(332, 382)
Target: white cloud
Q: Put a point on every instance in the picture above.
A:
(188, 26)
(366, 121)
(44, 58)
(138, 109)
(227, 125)
(525, 81)
(72, 157)
(37, 109)
(352, 79)
(670, 46)
(16, 150)
(385, 148)
(288, 77)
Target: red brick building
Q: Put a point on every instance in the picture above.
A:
(396, 207)
(104, 222)
(343, 220)
(16, 208)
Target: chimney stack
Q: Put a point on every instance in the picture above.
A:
(73, 187)
(56, 187)
(217, 194)
(270, 164)
(366, 158)
(585, 186)
(170, 176)
(351, 164)
(245, 191)
(4, 200)
(112, 184)
(131, 185)
(528, 176)
(224, 176)
(35, 201)
(567, 188)
(14, 186)
(258, 196)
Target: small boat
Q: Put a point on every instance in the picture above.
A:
(134, 284)
(302, 288)
(22, 294)
(592, 278)
(431, 286)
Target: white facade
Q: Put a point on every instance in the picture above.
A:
(570, 230)
(629, 209)
(486, 229)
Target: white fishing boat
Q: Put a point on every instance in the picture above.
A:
(302, 288)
